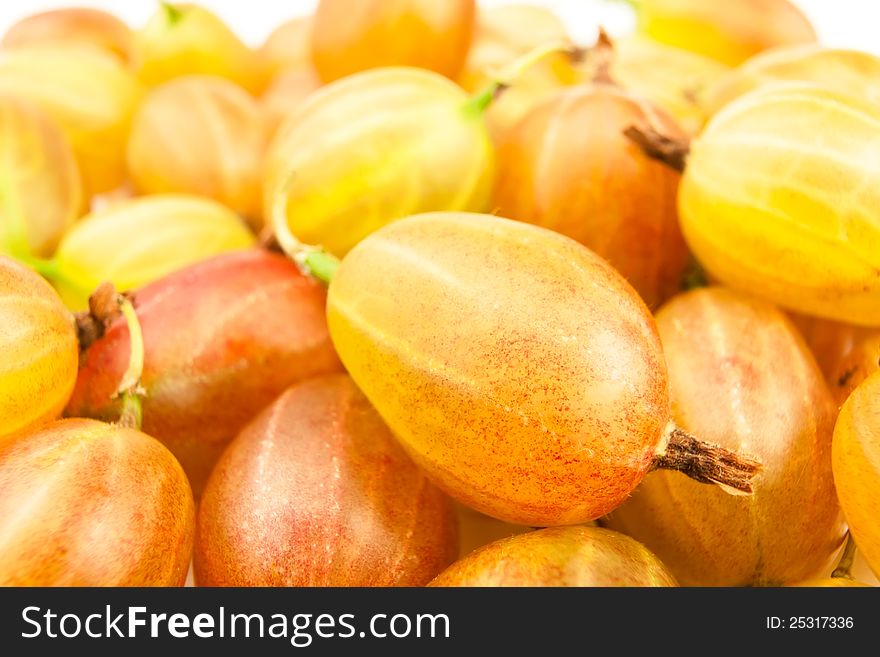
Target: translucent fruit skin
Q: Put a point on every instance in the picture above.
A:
(287, 91)
(39, 347)
(89, 93)
(850, 71)
(503, 34)
(77, 26)
(223, 338)
(135, 242)
(671, 78)
(319, 475)
(790, 209)
(730, 32)
(559, 556)
(349, 36)
(856, 458)
(516, 367)
(91, 504)
(567, 166)
(741, 377)
(190, 40)
(829, 341)
(288, 47)
(375, 147)
(201, 135)
(40, 185)
(287, 59)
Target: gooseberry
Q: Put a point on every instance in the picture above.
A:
(75, 26)
(135, 242)
(200, 135)
(39, 346)
(40, 188)
(567, 166)
(372, 148)
(317, 492)
(517, 368)
(741, 376)
(91, 504)
(89, 93)
(559, 556)
(349, 36)
(222, 339)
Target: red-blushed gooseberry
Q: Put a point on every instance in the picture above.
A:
(222, 339)
(317, 492)
(568, 166)
(92, 504)
(741, 376)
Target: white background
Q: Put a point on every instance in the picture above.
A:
(844, 23)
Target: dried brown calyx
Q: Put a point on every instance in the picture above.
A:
(707, 463)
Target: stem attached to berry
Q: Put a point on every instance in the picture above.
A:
(706, 463)
(668, 150)
(312, 260)
(510, 74)
(105, 307)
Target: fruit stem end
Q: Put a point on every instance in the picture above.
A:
(173, 14)
(312, 260)
(668, 150)
(130, 389)
(708, 464)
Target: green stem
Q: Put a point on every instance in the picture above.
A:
(172, 14)
(847, 557)
(312, 260)
(507, 76)
(477, 104)
(322, 265)
(130, 389)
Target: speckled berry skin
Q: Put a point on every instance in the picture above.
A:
(559, 556)
(316, 492)
(222, 339)
(38, 350)
(515, 366)
(86, 503)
